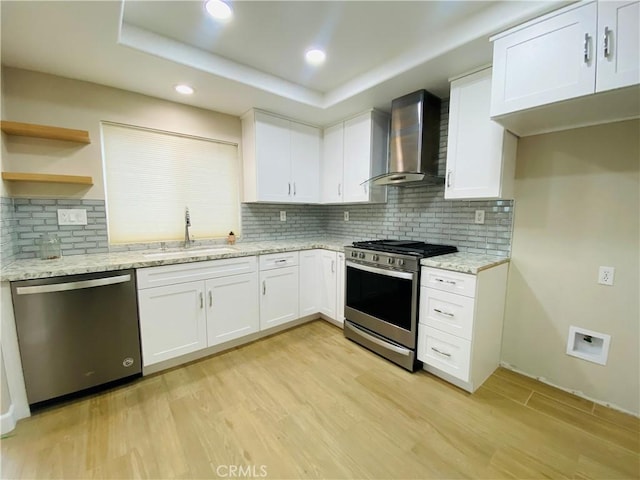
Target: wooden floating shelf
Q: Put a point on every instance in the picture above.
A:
(46, 178)
(44, 131)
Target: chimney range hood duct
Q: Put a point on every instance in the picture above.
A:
(414, 141)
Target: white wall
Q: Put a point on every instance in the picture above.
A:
(577, 207)
(50, 100)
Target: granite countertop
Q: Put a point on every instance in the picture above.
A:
(464, 262)
(101, 262)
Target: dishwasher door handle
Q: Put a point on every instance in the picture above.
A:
(63, 287)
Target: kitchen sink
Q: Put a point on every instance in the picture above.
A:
(190, 252)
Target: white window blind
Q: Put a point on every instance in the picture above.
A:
(152, 176)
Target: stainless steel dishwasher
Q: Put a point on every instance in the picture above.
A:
(76, 332)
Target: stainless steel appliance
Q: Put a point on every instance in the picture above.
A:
(382, 296)
(76, 332)
(414, 141)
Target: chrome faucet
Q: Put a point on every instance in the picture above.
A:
(187, 224)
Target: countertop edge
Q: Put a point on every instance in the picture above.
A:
(464, 262)
(31, 269)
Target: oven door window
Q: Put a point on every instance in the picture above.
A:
(384, 297)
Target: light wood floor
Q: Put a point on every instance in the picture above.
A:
(308, 403)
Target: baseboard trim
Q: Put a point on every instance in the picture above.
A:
(577, 393)
(7, 421)
(332, 321)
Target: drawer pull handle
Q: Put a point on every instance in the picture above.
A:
(441, 312)
(586, 50)
(281, 261)
(607, 50)
(441, 353)
(449, 282)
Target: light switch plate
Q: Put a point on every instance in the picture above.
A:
(283, 215)
(479, 218)
(72, 216)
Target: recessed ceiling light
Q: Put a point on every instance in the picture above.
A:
(184, 89)
(218, 9)
(315, 56)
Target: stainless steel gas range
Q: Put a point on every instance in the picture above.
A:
(382, 296)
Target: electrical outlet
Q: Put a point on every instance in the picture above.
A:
(479, 217)
(283, 216)
(605, 275)
(72, 216)
(346, 216)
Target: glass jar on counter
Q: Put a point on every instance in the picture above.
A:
(49, 246)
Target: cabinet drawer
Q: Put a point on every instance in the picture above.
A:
(278, 260)
(448, 281)
(188, 272)
(443, 351)
(448, 312)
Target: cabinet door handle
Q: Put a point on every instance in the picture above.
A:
(289, 193)
(365, 188)
(441, 353)
(449, 179)
(294, 189)
(607, 50)
(586, 51)
(264, 287)
(442, 312)
(210, 298)
(201, 300)
(333, 266)
(339, 190)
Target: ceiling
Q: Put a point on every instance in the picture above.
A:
(376, 51)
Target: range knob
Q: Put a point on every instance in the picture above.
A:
(354, 254)
(391, 261)
(400, 261)
(375, 257)
(361, 255)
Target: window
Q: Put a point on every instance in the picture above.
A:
(151, 176)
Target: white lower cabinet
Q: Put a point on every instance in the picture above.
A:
(340, 288)
(446, 352)
(191, 306)
(232, 307)
(188, 307)
(460, 323)
(328, 275)
(172, 321)
(279, 289)
(309, 298)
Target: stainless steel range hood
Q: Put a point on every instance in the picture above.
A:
(414, 141)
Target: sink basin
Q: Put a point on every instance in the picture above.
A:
(190, 252)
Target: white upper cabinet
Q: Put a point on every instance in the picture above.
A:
(545, 62)
(332, 160)
(305, 163)
(281, 159)
(480, 153)
(354, 151)
(568, 68)
(619, 41)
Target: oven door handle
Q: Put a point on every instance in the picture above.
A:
(382, 271)
(377, 341)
